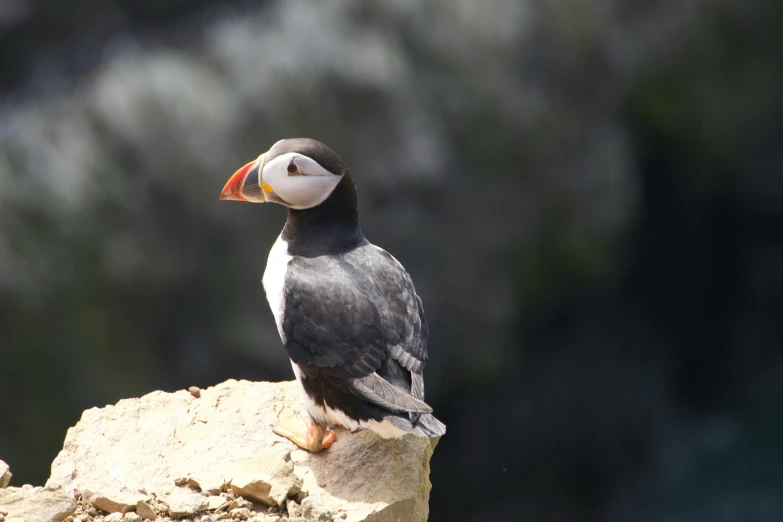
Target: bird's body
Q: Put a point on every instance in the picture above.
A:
(346, 310)
(368, 310)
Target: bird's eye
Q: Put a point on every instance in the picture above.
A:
(292, 169)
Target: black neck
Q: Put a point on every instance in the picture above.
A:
(329, 228)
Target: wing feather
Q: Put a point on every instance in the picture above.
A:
(375, 389)
(346, 315)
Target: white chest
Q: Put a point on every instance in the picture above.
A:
(274, 281)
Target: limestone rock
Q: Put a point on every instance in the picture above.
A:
(183, 503)
(240, 503)
(240, 513)
(293, 508)
(5, 474)
(116, 501)
(268, 477)
(215, 502)
(266, 517)
(144, 444)
(113, 517)
(28, 504)
(205, 480)
(312, 510)
(369, 478)
(145, 511)
(130, 516)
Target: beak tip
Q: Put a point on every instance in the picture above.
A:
(231, 197)
(232, 191)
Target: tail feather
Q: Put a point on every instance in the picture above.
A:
(426, 425)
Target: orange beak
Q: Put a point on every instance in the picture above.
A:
(243, 185)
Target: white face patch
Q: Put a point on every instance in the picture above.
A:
(309, 186)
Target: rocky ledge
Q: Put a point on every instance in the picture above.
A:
(209, 455)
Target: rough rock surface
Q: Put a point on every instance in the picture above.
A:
(268, 477)
(5, 474)
(145, 511)
(184, 503)
(219, 447)
(207, 481)
(116, 501)
(29, 504)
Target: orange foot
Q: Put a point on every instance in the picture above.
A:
(305, 434)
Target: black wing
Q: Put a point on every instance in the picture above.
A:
(401, 309)
(356, 319)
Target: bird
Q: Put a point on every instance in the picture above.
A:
(346, 310)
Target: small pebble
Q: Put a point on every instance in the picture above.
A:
(240, 503)
(216, 503)
(130, 516)
(240, 513)
(195, 391)
(145, 511)
(293, 508)
(113, 517)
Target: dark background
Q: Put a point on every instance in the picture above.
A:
(589, 196)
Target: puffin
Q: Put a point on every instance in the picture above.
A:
(346, 310)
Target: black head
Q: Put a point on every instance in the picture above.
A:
(313, 182)
(312, 149)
